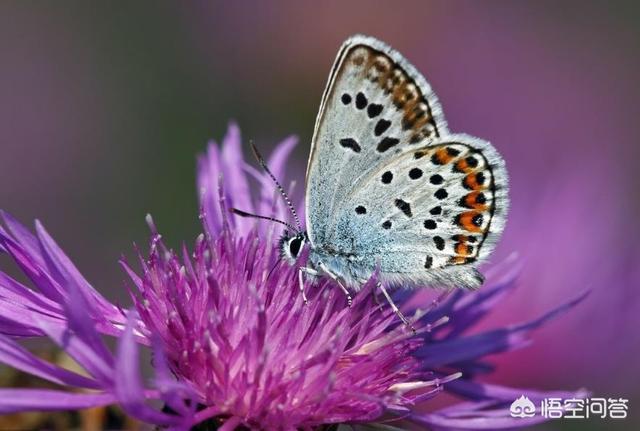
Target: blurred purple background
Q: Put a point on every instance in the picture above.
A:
(103, 108)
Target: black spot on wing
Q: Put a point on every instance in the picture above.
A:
(361, 210)
(374, 110)
(439, 242)
(430, 224)
(381, 126)
(350, 143)
(404, 206)
(436, 210)
(477, 220)
(386, 224)
(480, 178)
(387, 177)
(346, 98)
(471, 161)
(361, 101)
(387, 143)
(415, 173)
(441, 194)
(452, 152)
(428, 262)
(436, 179)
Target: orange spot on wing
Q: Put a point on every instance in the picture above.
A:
(463, 249)
(469, 221)
(443, 156)
(463, 166)
(471, 182)
(475, 200)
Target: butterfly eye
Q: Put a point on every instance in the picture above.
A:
(294, 246)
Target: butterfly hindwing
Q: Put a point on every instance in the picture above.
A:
(375, 103)
(429, 215)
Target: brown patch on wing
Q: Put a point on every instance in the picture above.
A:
(405, 94)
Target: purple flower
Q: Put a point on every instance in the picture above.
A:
(233, 342)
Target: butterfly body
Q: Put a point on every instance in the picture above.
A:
(388, 187)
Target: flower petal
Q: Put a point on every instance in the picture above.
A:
(476, 390)
(24, 237)
(475, 305)
(490, 420)
(67, 272)
(237, 191)
(12, 290)
(14, 355)
(207, 182)
(20, 400)
(30, 267)
(177, 395)
(79, 350)
(455, 350)
(128, 381)
(15, 329)
(83, 325)
(18, 319)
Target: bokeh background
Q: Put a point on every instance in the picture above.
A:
(103, 108)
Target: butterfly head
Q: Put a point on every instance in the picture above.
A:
(292, 245)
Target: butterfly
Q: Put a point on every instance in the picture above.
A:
(388, 187)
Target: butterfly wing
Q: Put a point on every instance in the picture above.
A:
(426, 217)
(379, 126)
(375, 102)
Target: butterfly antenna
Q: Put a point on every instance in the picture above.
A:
(262, 162)
(246, 214)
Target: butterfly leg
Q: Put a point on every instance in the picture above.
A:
(395, 308)
(305, 270)
(337, 280)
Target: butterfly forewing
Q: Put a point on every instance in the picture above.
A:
(375, 103)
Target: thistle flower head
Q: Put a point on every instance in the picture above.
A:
(233, 340)
(235, 328)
